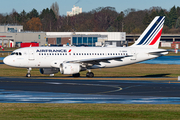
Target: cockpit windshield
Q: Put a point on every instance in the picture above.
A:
(16, 53)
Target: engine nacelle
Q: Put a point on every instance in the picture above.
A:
(69, 68)
(48, 70)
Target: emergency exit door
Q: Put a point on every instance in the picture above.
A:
(31, 55)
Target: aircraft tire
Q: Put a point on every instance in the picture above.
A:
(76, 75)
(28, 75)
(90, 74)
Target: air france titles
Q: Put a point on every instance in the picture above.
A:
(51, 50)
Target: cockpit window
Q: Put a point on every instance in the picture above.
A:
(12, 53)
(16, 53)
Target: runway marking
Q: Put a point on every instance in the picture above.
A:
(118, 88)
(56, 83)
(132, 86)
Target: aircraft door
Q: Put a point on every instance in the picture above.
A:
(134, 55)
(31, 54)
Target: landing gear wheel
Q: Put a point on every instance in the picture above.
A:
(28, 75)
(29, 72)
(90, 74)
(76, 75)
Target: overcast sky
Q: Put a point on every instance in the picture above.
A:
(86, 5)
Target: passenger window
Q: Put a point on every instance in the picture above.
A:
(20, 53)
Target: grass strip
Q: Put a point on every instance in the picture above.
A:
(88, 111)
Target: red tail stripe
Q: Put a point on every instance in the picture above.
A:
(156, 38)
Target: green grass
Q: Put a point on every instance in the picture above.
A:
(88, 111)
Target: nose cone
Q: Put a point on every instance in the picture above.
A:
(8, 61)
(5, 60)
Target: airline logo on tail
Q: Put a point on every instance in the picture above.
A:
(152, 33)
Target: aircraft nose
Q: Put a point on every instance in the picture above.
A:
(7, 60)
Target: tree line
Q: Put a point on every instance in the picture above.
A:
(102, 19)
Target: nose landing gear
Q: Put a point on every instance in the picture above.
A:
(29, 72)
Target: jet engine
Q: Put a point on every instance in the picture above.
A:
(49, 70)
(69, 68)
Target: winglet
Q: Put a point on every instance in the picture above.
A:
(151, 36)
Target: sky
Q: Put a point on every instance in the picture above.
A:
(87, 5)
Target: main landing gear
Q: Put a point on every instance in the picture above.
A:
(29, 72)
(90, 74)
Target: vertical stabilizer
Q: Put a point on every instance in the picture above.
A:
(151, 36)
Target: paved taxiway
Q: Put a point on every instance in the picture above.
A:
(52, 90)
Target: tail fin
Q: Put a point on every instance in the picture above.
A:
(151, 36)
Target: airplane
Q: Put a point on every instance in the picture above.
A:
(72, 60)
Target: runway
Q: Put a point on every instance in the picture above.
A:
(61, 90)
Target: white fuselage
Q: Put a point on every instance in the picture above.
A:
(48, 57)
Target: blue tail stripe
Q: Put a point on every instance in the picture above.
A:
(148, 33)
(155, 33)
(159, 25)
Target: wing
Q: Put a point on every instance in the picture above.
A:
(96, 61)
(89, 62)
